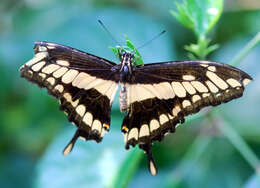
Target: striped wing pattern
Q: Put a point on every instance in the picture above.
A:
(82, 82)
(161, 95)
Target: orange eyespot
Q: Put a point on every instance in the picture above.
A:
(125, 129)
(106, 126)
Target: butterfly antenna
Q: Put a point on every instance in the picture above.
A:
(105, 28)
(149, 41)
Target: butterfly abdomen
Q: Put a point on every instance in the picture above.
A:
(123, 98)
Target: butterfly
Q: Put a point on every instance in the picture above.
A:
(154, 97)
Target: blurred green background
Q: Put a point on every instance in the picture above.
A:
(33, 131)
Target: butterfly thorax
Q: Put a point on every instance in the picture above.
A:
(125, 73)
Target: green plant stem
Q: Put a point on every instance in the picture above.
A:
(240, 145)
(245, 51)
(198, 147)
(127, 169)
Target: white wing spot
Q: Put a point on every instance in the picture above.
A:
(88, 119)
(67, 97)
(125, 137)
(59, 88)
(42, 75)
(81, 109)
(69, 76)
(152, 90)
(163, 119)
(212, 68)
(186, 103)
(195, 98)
(154, 124)
(50, 47)
(83, 80)
(94, 83)
(60, 72)
(51, 80)
(170, 116)
(74, 103)
(112, 92)
(204, 65)
(165, 90)
(188, 77)
(189, 88)
(178, 89)
(80, 77)
(212, 87)
(38, 57)
(133, 134)
(176, 110)
(63, 62)
(199, 86)
(144, 131)
(104, 87)
(38, 66)
(217, 80)
(233, 83)
(97, 126)
(50, 68)
(246, 81)
(204, 95)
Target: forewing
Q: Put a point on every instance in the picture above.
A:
(84, 84)
(161, 95)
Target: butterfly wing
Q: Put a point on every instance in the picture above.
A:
(84, 84)
(161, 95)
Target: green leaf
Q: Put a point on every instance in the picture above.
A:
(129, 43)
(115, 51)
(200, 50)
(129, 48)
(200, 16)
(240, 144)
(89, 164)
(127, 169)
(137, 56)
(199, 147)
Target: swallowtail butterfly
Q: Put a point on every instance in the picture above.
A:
(155, 97)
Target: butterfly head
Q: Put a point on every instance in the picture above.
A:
(126, 64)
(130, 50)
(127, 57)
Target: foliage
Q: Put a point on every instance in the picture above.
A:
(33, 132)
(129, 48)
(200, 17)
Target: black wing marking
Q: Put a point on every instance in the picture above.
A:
(161, 95)
(84, 84)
